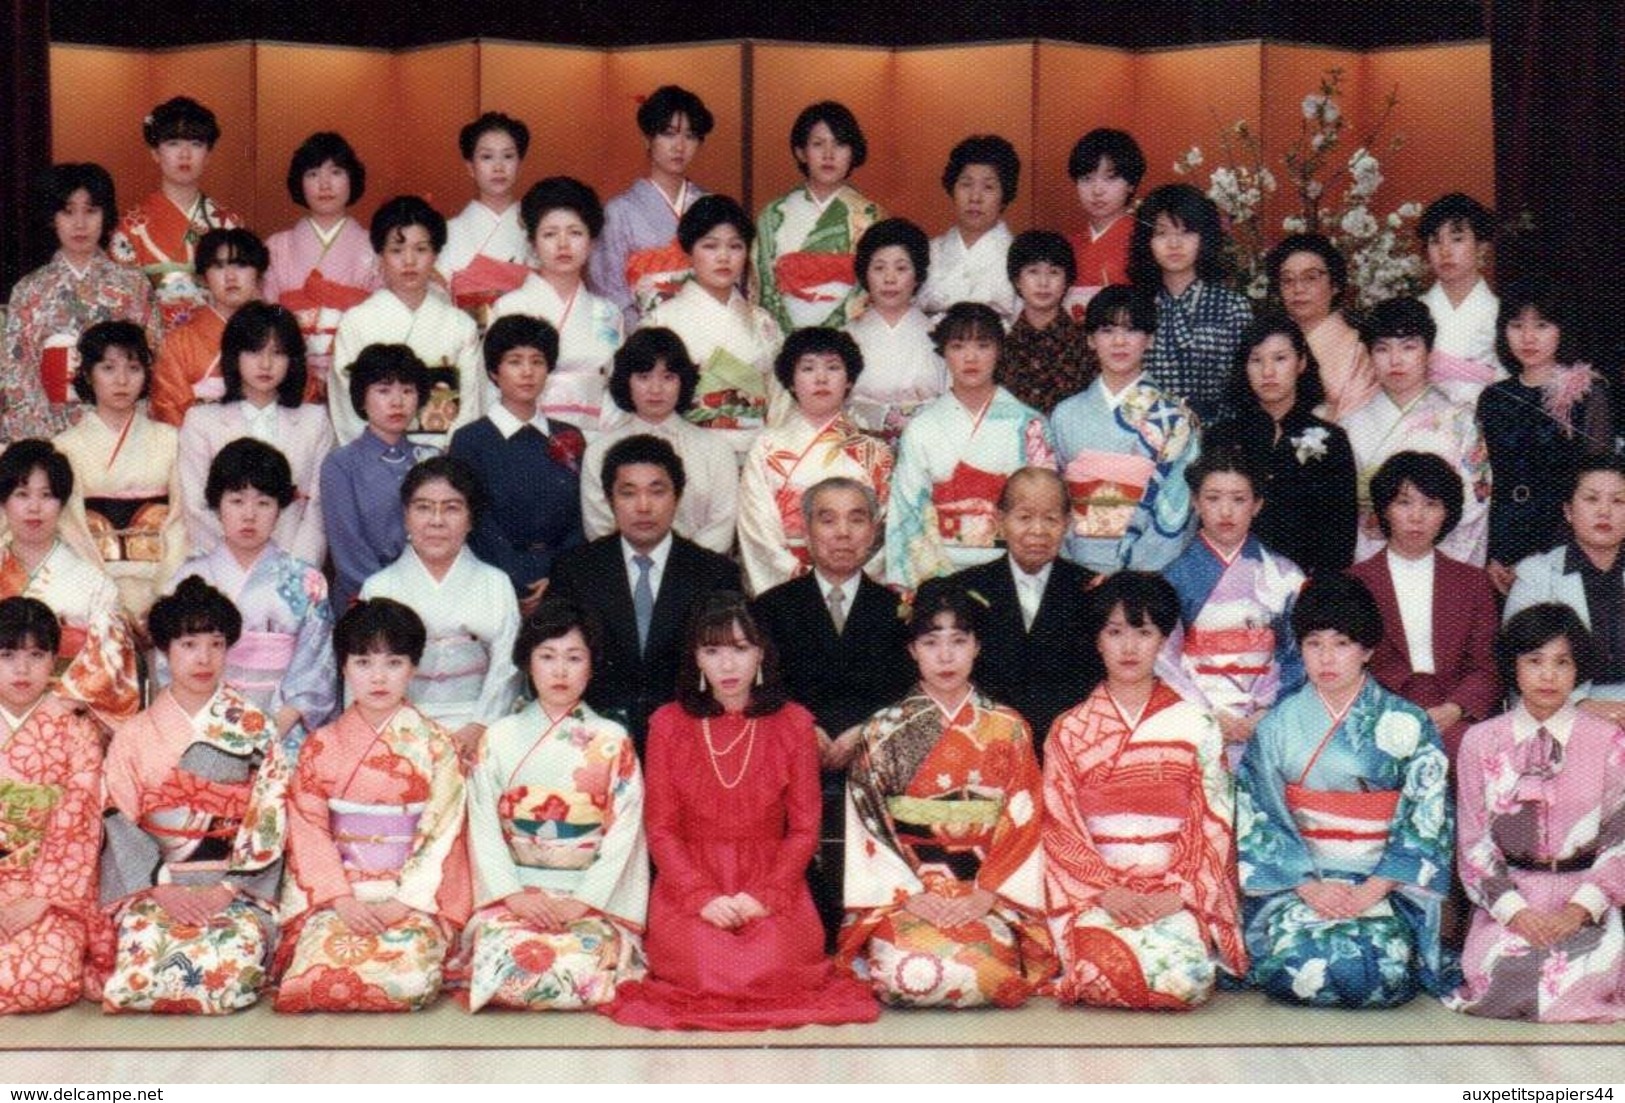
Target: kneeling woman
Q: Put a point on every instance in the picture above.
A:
(377, 881)
(1344, 839)
(944, 873)
(555, 830)
(197, 786)
(1139, 852)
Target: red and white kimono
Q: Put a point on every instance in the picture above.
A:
(319, 276)
(161, 239)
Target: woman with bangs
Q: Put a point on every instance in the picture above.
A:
(968, 261)
(1310, 276)
(905, 370)
(232, 264)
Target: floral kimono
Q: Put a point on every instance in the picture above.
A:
(319, 276)
(188, 369)
(803, 263)
(161, 240)
(556, 805)
(637, 263)
(1343, 798)
(1144, 804)
(378, 815)
(50, 831)
(902, 372)
(946, 804)
(192, 800)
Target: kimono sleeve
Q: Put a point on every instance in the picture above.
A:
(316, 872)
(1161, 526)
(348, 342)
(64, 870)
(617, 882)
(203, 531)
(435, 857)
(309, 684)
(494, 875)
(1074, 872)
(1271, 855)
(763, 551)
(914, 549)
(309, 539)
(171, 395)
(606, 266)
(23, 409)
(1469, 540)
(103, 674)
(1419, 838)
(502, 680)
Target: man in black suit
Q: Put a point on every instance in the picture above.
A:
(642, 581)
(1037, 654)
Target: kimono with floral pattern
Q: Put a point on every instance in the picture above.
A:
(160, 239)
(803, 260)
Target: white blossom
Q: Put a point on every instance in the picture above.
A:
(1294, 224)
(1359, 223)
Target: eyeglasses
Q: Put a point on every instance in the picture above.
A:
(1303, 279)
(427, 509)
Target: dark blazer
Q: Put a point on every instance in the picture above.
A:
(842, 679)
(624, 682)
(1465, 621)
(1043, 672)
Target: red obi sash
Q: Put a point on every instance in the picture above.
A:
(1209, 647)
(483, 282)
(59, 363)
(807, 276)
(657, 273)
(966, 504)
(1325, 815)
(1166, 799)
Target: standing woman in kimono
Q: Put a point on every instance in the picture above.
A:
(555, 833)
(95, 655)
(905, 370)
(377, 884)
(263, 362)
(323, 264)
(52, 306)
(944, 867)
(804, 269)
(51, 801)
(1344, 824)
(1139, 851)
(197, 789)
(968, 263)
(815, 441)
(232, 264)
(487, 253)
(638, 262)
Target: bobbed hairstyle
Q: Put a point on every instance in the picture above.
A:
(395, 215)
(1041, 247)
(194, 609)
(644, 351)
(1105, 144)
(181, 118)
(1232, 460)
(946, 596)
(470, 135)
(56, 185)
(1456, 209)
(841, 122)
(894, 231)
(19, 462)
(642, 448)
(519, 331)
(28, 622)
(381, 363)
(93, 345)
(716, 620)
(967, 321)
(707, 213)
(1589, 464)
(379, 626)
(455, 472)
(1532, 628)
(553, 618)
(1144, 596)
(255, 327)
(1403, 317)
(1337, 266)
(1339, 603)
(669, 101)
(1551, 302)
(1184, 206)
(985, 149)
(1271, 323)
(561, 193)
(1121, 304)
(314, 152)
(817, 341)
(249, 464)
(232, 245)
(1431, 475)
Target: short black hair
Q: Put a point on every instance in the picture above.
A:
(194, 609)
(566, 193)
(841, 122)
(455, 472)
(28, 622)
(1552, 302)
(985, 149)
(379, 625)
(1339, 603)
(519, 331)
(893, 231)
(1270, 323)
(706, 214)
(1041, 247)
(1121, 304)
(1431, 475)
(241, 247)
(713, 621)
(1532, 628)
(1144, 596)
(1185, 206)
(1588, 464)
(56, 185)
(1232, 460)
(817, 340)
(396, 215)
(555, 617)
(1337, 265)
(669, 101)
(1104, 143)
(252, 328)
(1456, 208)
(642, 448)
(470, 135)
(381, 363)
(19, 461)
(946, 594)
(1399, 318)
(93, 345)
(249, 464)
(314, 152)
(966, 321)
(181, 118)
(644, 350)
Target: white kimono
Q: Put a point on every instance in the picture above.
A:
(709, 506)
(1464, 360)
(478, 230)
(901, 372)
(970, 273)
(590, 330)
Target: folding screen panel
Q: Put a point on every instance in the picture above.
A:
(559, 92)
(1182, 97)
(436, 92)
(1446, 116)
(1075, 89)
(712, 71)
(98, 96)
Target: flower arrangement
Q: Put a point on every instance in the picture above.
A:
(1382, 260)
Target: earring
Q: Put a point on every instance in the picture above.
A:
(758, 675)
(702, 682)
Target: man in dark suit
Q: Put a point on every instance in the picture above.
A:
(642, 581)
(1037, 654)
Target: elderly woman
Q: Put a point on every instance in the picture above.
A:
(1309, 276)
(968, 261)
(905, 370)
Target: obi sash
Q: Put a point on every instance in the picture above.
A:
(547, 829)
(1444, 367)
(373, 840)
(439, 414)
(1106, 488)
(967, 507)
(318, 304)
(453, 670)
(195, 820)
(25, 812)
(1135, 825)
(1343, 831)
(575, 397)
(256, 662)
(1244, 651)
(813, 284)
(731, 394)
(59, 363)
(948, 832)
(127, 529)
(476, 288)
(655, 275)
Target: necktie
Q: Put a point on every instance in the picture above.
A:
(1550, 752)
(837, 608)
(643, 598)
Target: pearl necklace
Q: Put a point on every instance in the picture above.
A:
(748, 730)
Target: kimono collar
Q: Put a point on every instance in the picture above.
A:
(328, 237)
(1250, 549)
(15, 722)
(1113, 401)
(1560, 724)
(818, 204)
(79, 274)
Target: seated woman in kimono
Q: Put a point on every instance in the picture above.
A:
(1139, 849)
(944, 867)
(96, 655)
(232, 263)
(1541, 798)
(283, 662)
(466, 678)
(126, 502)
(1344, 824)
(968, 261)
(197, 787)
(814, 441)
(377, 884)
(905, 370)
(555, 833)
(51, 808)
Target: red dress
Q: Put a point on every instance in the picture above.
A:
(709, 840)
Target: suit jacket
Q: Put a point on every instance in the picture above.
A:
(845, 678)
(625, 682)
(1555, 575)
(1045, 671)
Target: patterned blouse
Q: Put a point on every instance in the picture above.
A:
(1043, 366)
(1197, 334)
